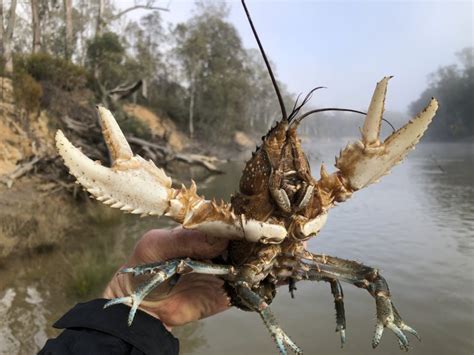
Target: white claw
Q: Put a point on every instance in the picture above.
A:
(365, 161)
(135, 182)
(136, 185)
(117, 144)
(371, 129)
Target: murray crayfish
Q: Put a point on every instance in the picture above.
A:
(279, 206)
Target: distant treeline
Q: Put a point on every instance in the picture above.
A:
(198, 72)
(453, 86)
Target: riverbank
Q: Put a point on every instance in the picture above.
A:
(39, 201)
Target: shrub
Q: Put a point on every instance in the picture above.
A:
(133, 126)
(58, 71)
(27, 92)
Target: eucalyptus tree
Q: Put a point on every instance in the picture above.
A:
(144, 39)
(212, 58)
(7, 26)
(453, 85)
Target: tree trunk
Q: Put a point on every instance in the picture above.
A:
(145, 88)
(100, 19)
(98, 32)
(35, 26)
(7, 37)
(1, 29)
(69, 45)
(191, 113)
(191, 104)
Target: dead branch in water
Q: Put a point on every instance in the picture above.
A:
(208, 162)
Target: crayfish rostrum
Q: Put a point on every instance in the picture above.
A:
(279, 206)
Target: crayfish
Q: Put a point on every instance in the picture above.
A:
(279, 206)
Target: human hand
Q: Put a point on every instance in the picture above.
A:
(195, 296)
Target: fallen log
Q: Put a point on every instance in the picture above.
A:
(208, 162)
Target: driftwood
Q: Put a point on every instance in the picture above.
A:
(21, 170)
(123, 91)
(86, 131)
(207, 162)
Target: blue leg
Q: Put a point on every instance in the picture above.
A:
(326, 268)
(256, 303)
(161, 272)
(336, 290)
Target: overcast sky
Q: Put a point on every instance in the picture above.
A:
(349, 45)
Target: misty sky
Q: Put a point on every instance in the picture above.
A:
(349, 45)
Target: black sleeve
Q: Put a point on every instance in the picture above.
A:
(89, 329)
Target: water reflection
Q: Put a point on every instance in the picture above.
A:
(195, 338)
(449, 191)
(416, 226)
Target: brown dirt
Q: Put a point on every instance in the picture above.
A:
(159, 126)
(31, 219)
(15, 142)
(243, 141)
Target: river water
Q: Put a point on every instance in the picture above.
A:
(416, 226)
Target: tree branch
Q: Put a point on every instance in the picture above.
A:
(136, 7)
(11, 21)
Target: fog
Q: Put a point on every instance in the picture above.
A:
(349, 45)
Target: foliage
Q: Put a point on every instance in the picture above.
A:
(144, 39)
(106, 56)
(263, 108)
(27, 92)
(453, 86)
(214, 63)
(60, 72)
(168, 97)
(90, 275)
(134, 127)
(197, 69)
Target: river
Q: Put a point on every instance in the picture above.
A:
(416, 226)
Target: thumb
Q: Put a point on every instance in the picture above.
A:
(162, 244)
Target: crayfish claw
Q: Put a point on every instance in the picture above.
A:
(402, 325)
(388, 316)
(132, 184)
(377, 335)
(342, 333)
(129, 300)
(119, 300)
(115, 140)
(371, 130)
(138, 186)
(367, 160)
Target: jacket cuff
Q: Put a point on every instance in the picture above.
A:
(146, 333)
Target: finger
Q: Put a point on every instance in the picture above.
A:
(161, 244)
